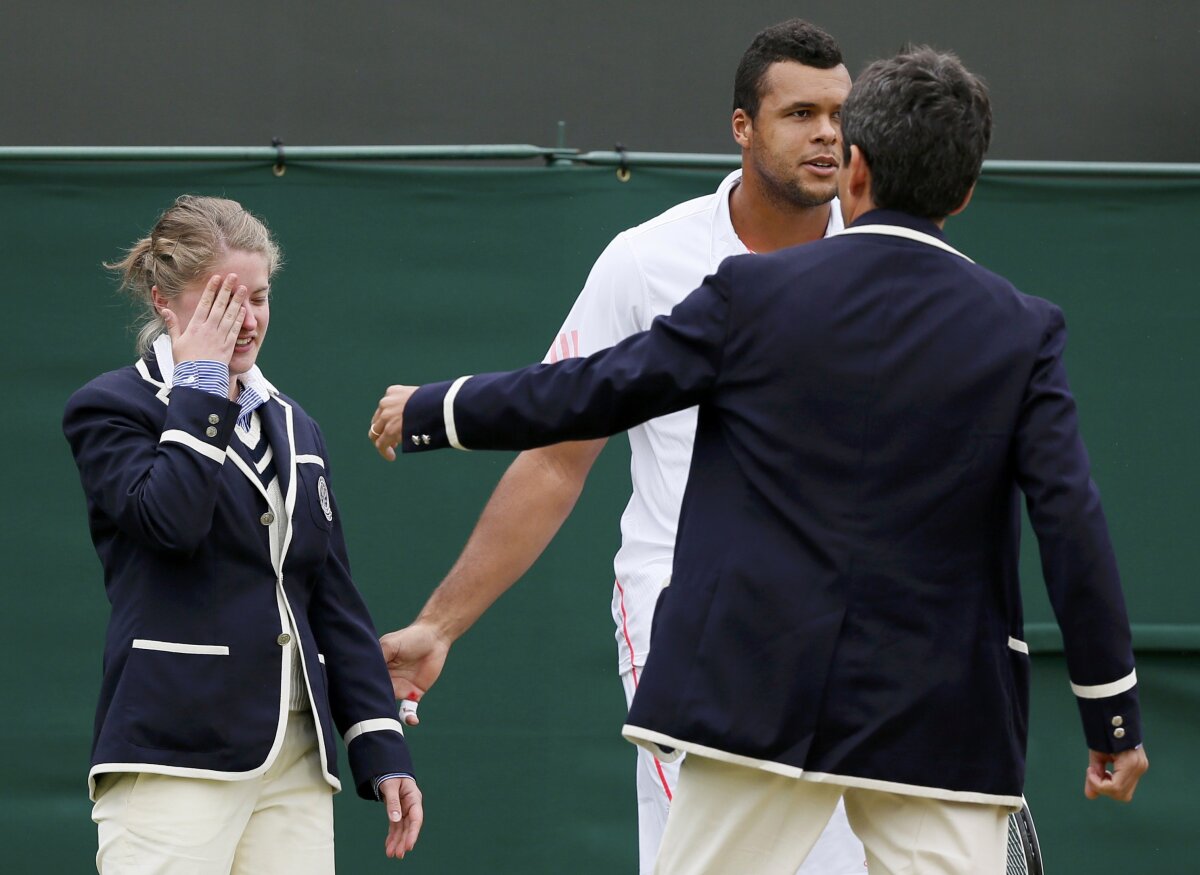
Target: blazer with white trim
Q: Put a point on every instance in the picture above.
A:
(845, 605)
(197, 654)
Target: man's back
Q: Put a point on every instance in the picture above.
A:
(853, 500)
(872, 399)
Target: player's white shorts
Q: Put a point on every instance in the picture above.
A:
(837, 852)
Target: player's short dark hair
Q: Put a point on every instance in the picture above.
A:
(794, 40)
(923, 122)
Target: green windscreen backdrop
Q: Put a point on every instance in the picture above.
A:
(399, 273)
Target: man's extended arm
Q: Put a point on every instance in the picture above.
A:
(668, 368)
(531, 502)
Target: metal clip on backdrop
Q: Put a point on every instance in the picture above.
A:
(280, 167)
(623, 172)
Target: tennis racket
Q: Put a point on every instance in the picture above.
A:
(1024, 853)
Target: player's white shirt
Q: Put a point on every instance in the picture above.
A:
(643, 273)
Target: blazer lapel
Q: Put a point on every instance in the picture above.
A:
(277, 424)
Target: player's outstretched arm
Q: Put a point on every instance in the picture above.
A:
(526, 510)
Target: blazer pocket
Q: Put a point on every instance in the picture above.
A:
(176, 647)
(1019, 666)
(177, 696)
(310, 471)
(1018, 645)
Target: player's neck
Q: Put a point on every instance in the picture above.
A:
(764, 225)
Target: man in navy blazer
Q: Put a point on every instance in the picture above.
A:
(844, 617)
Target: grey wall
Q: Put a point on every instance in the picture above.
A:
(1106, 80)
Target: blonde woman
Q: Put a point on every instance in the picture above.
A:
(237, 643)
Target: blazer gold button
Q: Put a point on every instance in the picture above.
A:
(213, 418)
(1118, 733)
(210, 431)
(267, 518)
(1118, 720)
(284, 638)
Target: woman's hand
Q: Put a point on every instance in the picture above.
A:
(213, 329)
(405, 815)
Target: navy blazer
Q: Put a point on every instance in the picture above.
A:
(844, 605)
(196, 654)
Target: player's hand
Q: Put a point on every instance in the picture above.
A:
(402, 799)
(1128, 766)
(213, 330)
(387, 425)
(415, 656)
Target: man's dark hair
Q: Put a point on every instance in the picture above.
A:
(794, 40)
(923, 123)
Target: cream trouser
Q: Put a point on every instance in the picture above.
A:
(731, 820)
(279, 822)
(837, 851)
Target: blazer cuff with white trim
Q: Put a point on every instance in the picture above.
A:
(1112, 723)
(200, 421)
(425, 418)
(374, 748)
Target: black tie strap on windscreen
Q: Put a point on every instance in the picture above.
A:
(623, 172)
